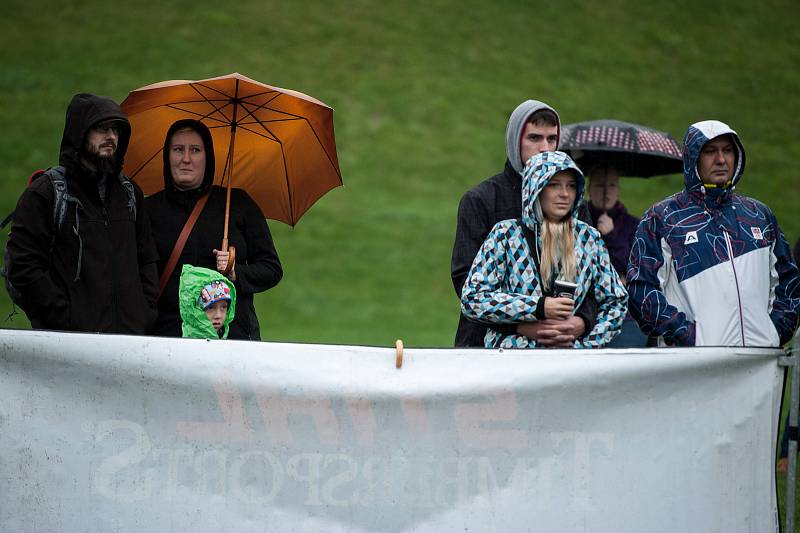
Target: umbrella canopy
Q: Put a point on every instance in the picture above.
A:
(276, 144)
(632, 149)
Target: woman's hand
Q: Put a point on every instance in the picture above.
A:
(222, 264)
(558, 308)
(550, 333)
(605, 224)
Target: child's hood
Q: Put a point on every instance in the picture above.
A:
(196, 324)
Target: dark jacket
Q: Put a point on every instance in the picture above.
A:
(100, 274)
(257, 265)
(619, 240)
(494, 199)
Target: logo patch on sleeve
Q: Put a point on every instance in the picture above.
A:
(691, 237)
(757, 234)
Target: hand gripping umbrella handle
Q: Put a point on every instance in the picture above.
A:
(231, 260)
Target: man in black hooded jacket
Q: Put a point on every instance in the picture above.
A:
(96, 270)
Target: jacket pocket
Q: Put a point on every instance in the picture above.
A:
(59, 316)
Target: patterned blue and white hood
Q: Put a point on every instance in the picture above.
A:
(696, 137)
(537, 173)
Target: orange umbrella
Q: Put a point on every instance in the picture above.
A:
(276, 144)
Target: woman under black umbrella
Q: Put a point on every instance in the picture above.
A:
(605, 150)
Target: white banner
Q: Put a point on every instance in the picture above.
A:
(104, 433)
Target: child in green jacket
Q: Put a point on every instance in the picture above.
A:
(207, 302)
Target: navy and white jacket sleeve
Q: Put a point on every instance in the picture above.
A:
(786, 281)
(647, 302)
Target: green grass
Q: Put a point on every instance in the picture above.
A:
(422, 92)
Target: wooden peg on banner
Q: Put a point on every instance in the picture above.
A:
(398, 362)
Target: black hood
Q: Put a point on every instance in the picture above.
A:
(84, 111)
(208, 144)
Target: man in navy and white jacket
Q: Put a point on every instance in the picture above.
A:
(710, 267)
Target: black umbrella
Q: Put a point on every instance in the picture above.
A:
(632, 149)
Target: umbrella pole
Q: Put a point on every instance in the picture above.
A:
(231, 150)
(228, 193)
(225, 247)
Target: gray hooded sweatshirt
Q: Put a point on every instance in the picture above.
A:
(516, 123)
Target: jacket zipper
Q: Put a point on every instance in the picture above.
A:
(736, 281)
(114, 318)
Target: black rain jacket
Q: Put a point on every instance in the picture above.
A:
(257, 265)
(98, 272)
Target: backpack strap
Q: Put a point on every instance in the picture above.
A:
(60, 195)
(181, 242)
(126, 183)
(61, 200)
(6, 220)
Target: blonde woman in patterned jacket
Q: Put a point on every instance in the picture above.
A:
(512, 282)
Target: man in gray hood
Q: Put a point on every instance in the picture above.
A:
(533, 127)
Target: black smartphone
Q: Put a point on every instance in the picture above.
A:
(565, 289)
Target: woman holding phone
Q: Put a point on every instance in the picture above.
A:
(527, 267)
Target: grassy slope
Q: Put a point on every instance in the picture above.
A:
(422, 92)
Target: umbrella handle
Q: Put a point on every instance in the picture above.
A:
(231, 259)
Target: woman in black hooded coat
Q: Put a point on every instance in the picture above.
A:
(257, 267)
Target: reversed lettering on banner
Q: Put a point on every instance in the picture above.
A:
(234, 427)
(259, 477)
(337, 439)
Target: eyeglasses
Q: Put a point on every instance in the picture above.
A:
(105, 127)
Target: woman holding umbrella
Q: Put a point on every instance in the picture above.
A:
(188, 177)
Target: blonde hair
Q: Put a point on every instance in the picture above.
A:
(558, 250)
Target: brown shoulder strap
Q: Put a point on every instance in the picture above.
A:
(180, 243)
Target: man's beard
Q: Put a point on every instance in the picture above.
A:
(103, 164)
